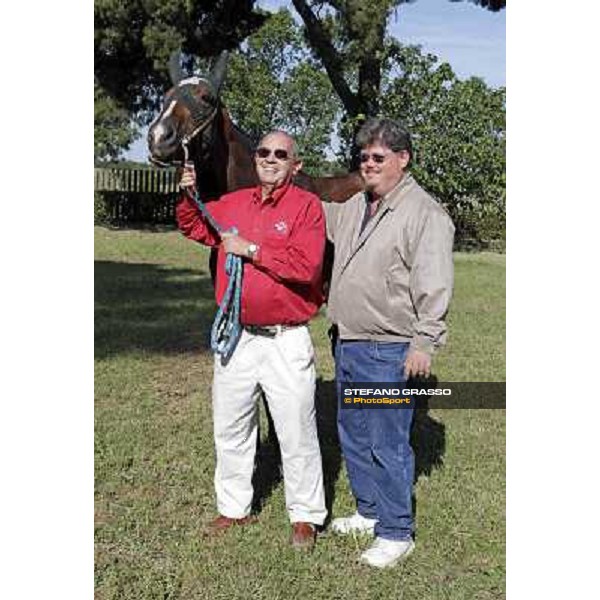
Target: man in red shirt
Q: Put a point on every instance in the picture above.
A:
(281, 237)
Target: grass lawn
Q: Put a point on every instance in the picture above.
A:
(154, 449)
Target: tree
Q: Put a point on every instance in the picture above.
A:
(349, 38)
(113, 127)
(274, 83)
(459, 137)
(133, 41)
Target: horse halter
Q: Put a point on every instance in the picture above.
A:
(182, 94)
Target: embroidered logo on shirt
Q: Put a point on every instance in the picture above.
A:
(281, 227)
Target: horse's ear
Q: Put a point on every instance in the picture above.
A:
(175, 70)
(217, 73)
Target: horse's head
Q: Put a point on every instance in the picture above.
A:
(188, 112)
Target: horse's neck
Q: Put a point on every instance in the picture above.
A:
(230, 165)
(210, 172)
(240, 160)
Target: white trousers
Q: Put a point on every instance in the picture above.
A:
(284, 367)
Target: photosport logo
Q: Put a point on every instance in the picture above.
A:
(422, 394)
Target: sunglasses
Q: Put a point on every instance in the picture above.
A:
(377, 158)
(279, 153)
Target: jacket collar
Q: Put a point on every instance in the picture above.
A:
(393, 198)
(388, 203)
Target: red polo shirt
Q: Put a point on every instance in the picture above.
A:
(283, 285)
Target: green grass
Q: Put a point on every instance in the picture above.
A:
(154, 450)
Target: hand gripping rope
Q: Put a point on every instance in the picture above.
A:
(226, 329)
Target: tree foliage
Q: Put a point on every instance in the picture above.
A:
(133, 41)
(458, 126)
(459, 136)
(273, 83)
(348, 37)
(113, 127)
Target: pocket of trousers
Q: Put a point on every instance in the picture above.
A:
(298, 346)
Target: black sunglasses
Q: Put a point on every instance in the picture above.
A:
(279, 153)
(377, 158)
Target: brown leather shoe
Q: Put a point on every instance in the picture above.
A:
(303, 536)
(222, 523)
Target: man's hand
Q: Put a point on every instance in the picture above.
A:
(417, 364)
(188, 178)
(234, 244)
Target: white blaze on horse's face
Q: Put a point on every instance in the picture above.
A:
(158, 130)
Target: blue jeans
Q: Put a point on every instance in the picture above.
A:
(375, 441)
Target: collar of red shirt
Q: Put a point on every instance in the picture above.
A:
(274, 197)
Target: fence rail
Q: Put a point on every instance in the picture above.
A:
(155, 181)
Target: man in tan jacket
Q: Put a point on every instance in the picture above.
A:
(390, 290)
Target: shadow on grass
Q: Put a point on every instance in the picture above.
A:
(268, 473)
(331, 453)
(427, 436)
(152, 308)
(428, 439)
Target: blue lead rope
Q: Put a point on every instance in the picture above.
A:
(226, 329)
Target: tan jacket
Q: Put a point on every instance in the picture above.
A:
(393, 282)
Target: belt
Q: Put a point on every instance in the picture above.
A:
(270, 330)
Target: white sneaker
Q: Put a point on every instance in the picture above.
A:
(353, 524)
(386, 553)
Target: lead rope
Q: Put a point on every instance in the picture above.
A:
(226, 329)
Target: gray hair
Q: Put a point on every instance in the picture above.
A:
(295, 151)
(387, 132)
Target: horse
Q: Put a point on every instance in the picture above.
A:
(194, 125)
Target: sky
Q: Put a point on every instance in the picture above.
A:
(470, 38)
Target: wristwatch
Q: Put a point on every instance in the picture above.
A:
(252, 251)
